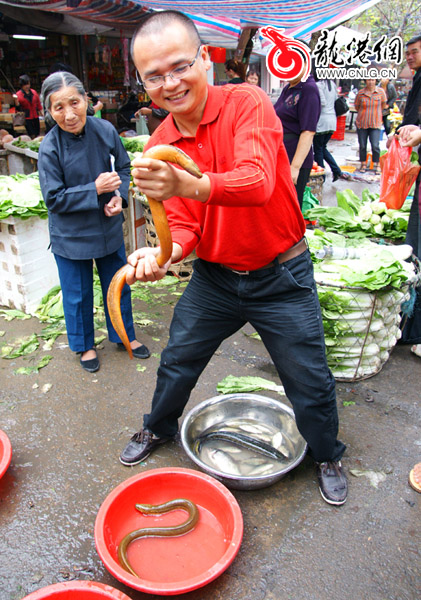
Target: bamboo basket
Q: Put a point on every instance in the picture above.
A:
(366, 329)
(315, 182)
(183, 270)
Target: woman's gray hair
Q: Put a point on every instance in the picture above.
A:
(57, 81)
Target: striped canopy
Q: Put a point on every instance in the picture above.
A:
(299, 17)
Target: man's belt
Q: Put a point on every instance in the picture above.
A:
(294, 251)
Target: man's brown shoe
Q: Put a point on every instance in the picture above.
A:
(333, 483)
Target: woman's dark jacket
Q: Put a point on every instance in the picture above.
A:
(68, 166)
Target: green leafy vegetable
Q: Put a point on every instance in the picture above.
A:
(135, 143)
(34, 369)
(25, 346)
(20, 196)
(32, 145)
(361, 217)
(231, 385)
(12, 313)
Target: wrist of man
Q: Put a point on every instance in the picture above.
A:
(177, 252)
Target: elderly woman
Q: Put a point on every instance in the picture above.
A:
(369, 104)
(84, 173)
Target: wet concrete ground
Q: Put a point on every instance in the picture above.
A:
(66, 443)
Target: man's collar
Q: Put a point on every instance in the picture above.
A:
(211, 112)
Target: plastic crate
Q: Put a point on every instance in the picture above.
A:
(28, 268)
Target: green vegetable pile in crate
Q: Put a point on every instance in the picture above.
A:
(135, 143)
(20, 196)
(362, 217)
(361, 301)
(31, 145)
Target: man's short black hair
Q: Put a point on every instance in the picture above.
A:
(155, 22)
(414, 40)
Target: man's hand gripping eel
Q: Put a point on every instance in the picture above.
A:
(169, 154)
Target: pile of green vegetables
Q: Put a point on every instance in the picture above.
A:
(361, 301)
(362, 217)
(135, 144)
(31, 145)
(20, 196)
(379, 265)
(50, 313)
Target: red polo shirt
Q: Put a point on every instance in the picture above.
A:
(252, 213)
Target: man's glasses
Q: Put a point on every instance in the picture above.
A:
(157, 81)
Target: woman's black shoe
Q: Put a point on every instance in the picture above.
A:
(141, 352)
(91, 365)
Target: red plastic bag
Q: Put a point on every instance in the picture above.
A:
(398, 175)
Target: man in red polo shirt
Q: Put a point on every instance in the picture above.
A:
(244, 220)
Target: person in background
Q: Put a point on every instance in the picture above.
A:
(127, 112)
(96, 104)
(326, 125)
(84, 172)
(253, 77)
(235, 70)
(153, 116)
(246, 193)
(410, 135)
(369, 104)
(411, 332)
(30, 104)
(298, 108)
(391, 95)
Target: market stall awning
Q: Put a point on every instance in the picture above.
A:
(112, 14)
(299, 17)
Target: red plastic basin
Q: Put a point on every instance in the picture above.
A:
(170, 565)
(78, 590)
(5, 453)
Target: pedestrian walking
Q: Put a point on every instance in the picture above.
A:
(326, 125)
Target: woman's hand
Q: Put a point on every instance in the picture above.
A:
(107, 182)
(114, 206)
(145, 267)
(295, 171)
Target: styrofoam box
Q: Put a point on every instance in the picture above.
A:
(28, 268)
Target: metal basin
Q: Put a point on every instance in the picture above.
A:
(213, 433)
